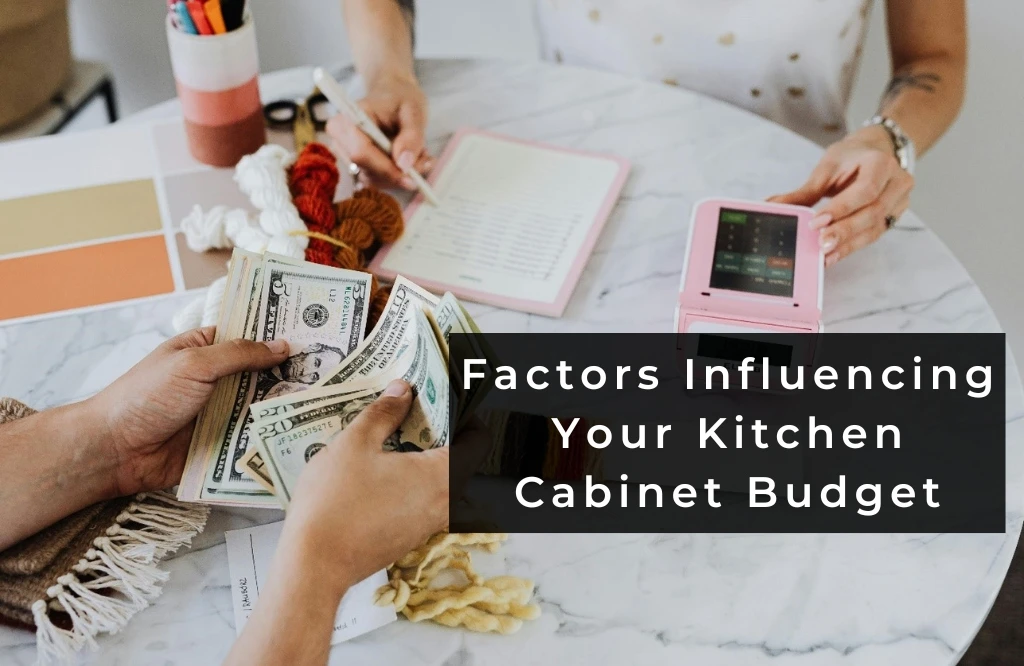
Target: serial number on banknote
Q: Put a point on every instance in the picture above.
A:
(299, 434)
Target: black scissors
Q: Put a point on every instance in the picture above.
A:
(303, 118)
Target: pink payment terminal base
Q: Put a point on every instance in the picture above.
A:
(752, 268)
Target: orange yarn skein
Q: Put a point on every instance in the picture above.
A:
(380, 211)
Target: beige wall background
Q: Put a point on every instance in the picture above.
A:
(969, 187)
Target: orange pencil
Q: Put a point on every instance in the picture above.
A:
(195, 10)
(214, 16)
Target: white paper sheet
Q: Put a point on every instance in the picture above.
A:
(512, 219)
(249, 554)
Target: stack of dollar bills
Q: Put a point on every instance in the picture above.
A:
(259, 429)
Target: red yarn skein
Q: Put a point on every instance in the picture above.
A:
(357, 224)
(312, 181)
(316, 212)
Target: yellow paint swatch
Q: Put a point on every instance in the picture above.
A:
(80, 215)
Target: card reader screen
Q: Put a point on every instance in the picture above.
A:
(755, 252)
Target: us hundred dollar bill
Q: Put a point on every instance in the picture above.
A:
(288, 439)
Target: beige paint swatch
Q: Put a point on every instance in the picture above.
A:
(79, 215)
(199, 269)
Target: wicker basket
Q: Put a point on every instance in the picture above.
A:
(35, 56)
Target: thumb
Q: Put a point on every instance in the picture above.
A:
(812, 191)
(409, 144)
(227, 358)
(378, 421)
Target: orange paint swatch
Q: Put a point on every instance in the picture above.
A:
(84, 276)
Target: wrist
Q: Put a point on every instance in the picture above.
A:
(877, 137)
(389, 77)
(316, 565)
(95, 448)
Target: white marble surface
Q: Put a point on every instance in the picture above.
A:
(666, 599)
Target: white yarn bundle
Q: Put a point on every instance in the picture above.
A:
(204, 310)
(262, 177)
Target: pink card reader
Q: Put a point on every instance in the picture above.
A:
(752, 268)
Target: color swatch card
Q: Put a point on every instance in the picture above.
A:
(249, 554)
(516, 223)
(91, 219)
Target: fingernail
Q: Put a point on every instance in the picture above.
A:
(396, 389)
(428, 165)
(406, 159)
(408, 184)
(831, 259)
(277, 346)
(828, 244)
(821, 220)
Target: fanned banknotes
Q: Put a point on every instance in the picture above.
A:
(321, 311)
(260, 429)
(300, 425)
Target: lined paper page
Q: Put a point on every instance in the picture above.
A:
(512, 220)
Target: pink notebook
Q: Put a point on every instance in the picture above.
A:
(516, 225)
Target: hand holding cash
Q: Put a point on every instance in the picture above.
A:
(260, 429)
(350, 482)
(346, 522)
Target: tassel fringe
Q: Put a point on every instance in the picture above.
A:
(117, 577)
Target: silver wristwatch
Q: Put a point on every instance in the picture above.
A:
(903, 145)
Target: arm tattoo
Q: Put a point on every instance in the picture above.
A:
(924, 81)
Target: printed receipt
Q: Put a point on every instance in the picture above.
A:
(249, 554)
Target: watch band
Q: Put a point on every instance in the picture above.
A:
(903, 145)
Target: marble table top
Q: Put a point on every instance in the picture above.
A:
(736, 599)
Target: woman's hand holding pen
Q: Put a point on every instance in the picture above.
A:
(398, 106)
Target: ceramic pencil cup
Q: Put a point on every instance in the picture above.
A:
(217, 77)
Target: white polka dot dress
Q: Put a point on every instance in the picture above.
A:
(792, 61)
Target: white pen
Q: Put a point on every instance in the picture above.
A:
(335, 94)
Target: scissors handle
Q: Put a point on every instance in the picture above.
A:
(280, 114)
(284, 113)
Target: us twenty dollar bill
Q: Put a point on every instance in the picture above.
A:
(450, 317)
(252, 462)
(288, 439)
(322, 313)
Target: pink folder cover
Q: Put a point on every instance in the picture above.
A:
(524, 304)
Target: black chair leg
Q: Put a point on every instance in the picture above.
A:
(107, 90)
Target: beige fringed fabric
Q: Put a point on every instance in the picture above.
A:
(497, 605)
(92, 571)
